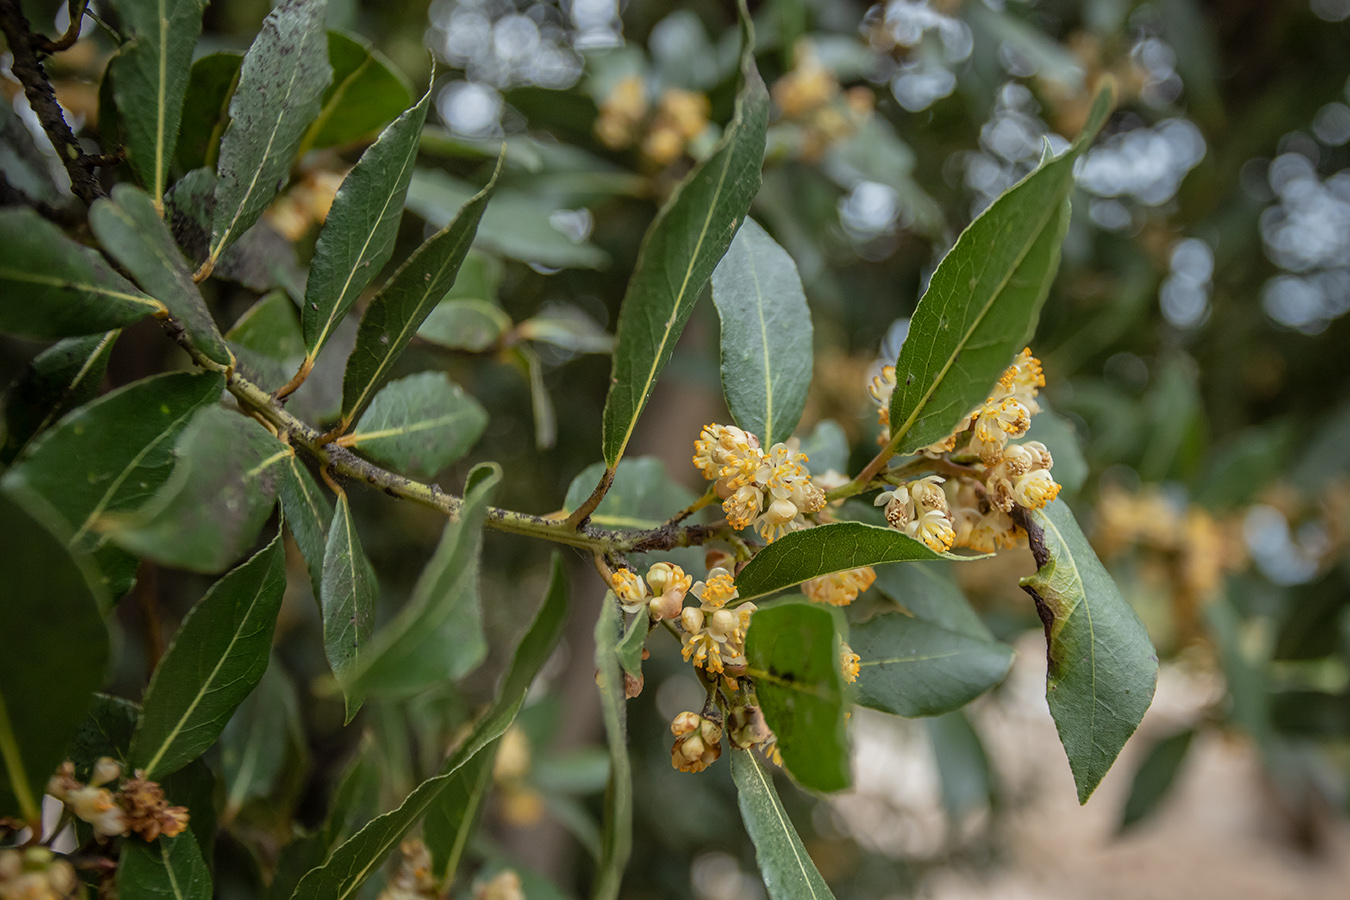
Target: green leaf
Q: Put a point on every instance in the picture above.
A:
(915, 668)
(811, 552)
(366, 92)
(983, 300)
(929, 593)
(261, 737)
(168, 867)
(307, 513)
(470, 325)
(792, 650)
(62, 377)
(131, 230)
(630, 646)
(150, 78)
(643, 494)
(789, 873)
(826, 448)
(766, 335)
(211, 509)
(453, 817)
(269, 327)
(617, 838)
(397, 311)
(358, 236)
(541, 402)
(566, 327)
(281, 83)
(679, 252)
(438, 635)
(1102, 670)
(1154, 777)
(53, 651)
(206, 109)
(217, 657)
(105, 731)
(419, 425)
(354, 801)
(51, 287)
(963, 765)
(361, 855)
(347, 595)
(110, 456)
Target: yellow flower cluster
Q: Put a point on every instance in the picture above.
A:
(772, 491)
(698, 742)
(138, 807)
(840, 588)
(662, 593)
(809, 97)
(972, 510)
(714, 637)
(681, 116)
(850, 663)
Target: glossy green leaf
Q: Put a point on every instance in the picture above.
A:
(516, 226)
(679, 252)
(616, 842)
(261, 737)
(206, 109)
(789, 873)
(308, 514)
(217, 657)
(419, 425)
(211, 509)
(929, 593)
(51, 287)
(131, 230)
(453, 817)
(171, 868)
(643, 494)
(46, 609)
(438, 635)
(105, 731)
(1102, 670)
(366, 93)
(281, 83)
(358, 236)
(111, 456)
(792, 651)
(62, 377)
(766, 335)
(470, 325)
(1155, 775)
(811, 552)
(266, 340)
(397, 311)
(357, 858)
(347, 595)
(984, 299)
(911, 667)
(150, 78)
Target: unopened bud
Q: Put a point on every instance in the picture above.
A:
(667, 606)
(692, 619)
(105, 770)
(746, 727)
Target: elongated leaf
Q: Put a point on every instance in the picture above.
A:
(366, 92)
(679, 252)
(361, 855)
(150, 79)
(932, 595)
(1102, 670)
(419, 424)
(110, 456)
(393, 317)
(358, 235)
(281, 83)
(354, 801)
(62, 377)
(789, 873)
(265, 340)
(806, 554)
(261, 737)
(171, 868)
(766, 335)
(911, 667)
(472, 325)
(51, 286)
(218, 657)
(308, 514)
(984, 299)
(963, 765)
(1154, 777)
(792, 650)
(438, 636)
(453, 817)
(46, 609)
(206, 109)
(616, 841)
(630, 646)
(347, 595)
(131, 230)
(210, 510)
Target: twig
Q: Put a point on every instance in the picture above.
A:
(582, 514)
(27, 68)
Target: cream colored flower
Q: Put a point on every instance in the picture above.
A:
(631, 590)
(698, 742)
(919, 509)
(840, 588)
(850, 663)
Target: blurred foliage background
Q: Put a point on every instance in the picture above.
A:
(1195, 339)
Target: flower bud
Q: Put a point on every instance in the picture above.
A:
(746, 727)
(691, 619)
(666, 606)
(105, 770)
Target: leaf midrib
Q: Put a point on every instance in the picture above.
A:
(783, 823)
(97, 290)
